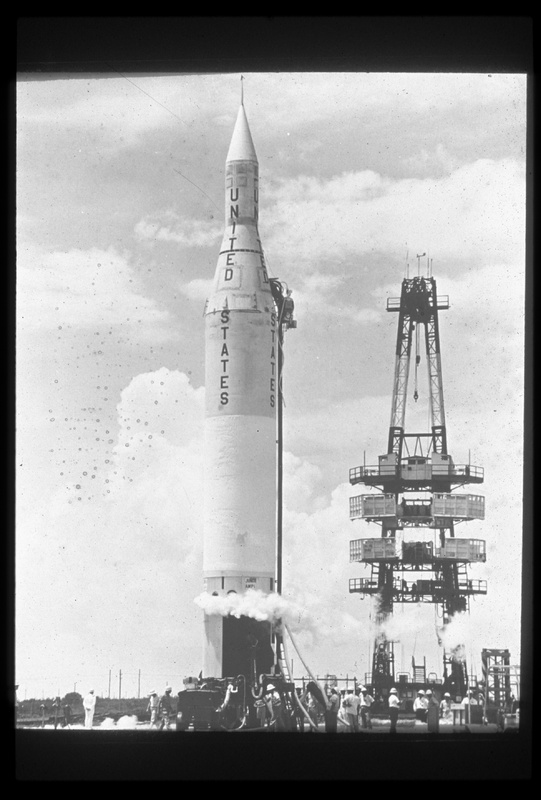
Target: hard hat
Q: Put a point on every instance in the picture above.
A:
(168, 688)
(393, 691)
(420, 691)
(270, 687)
(151, 693)
(429, 691)
(447, 694)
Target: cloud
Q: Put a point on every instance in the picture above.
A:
(124, 549)
(83, 288)
(125, 106)
(161, 402)
(476, 212)
(115, 110)
(190, 233)
(132, 552)
(362, 420)
(314, 299)
(198, 289)
(434, 161)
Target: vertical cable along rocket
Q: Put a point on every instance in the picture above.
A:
(241, 344)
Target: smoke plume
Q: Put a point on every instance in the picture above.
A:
(255, 604)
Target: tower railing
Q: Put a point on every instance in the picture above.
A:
(469, 472)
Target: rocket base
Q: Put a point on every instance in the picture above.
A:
(237, 646)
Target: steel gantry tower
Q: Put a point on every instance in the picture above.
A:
(417, 558)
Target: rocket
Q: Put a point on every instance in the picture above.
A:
(240, 455)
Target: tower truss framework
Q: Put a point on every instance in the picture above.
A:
(417, 558)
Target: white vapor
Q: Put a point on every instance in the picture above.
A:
(255, 604)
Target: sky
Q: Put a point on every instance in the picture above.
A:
(120, 213)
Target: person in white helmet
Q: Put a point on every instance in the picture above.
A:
(165, 709)
(420, 706)
(275, 707)
(351, 704)
(153, 703)
(89, 704)
(445, 708)
(394, 704)
(366, 702)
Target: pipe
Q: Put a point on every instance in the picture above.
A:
(300, 705)
(307, 668)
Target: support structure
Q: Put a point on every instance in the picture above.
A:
(417, 558)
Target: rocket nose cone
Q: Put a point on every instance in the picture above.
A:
(241, 147)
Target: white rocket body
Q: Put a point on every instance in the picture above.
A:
(241, 381)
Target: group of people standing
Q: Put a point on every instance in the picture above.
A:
(161, 710)
(355, 709)
(429, 709)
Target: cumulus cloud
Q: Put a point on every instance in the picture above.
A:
(125, 547)
(83, 288)
(198, 289)
(434, 161)
(141, 544)
(477, 210)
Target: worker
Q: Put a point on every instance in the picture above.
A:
(469, 700)
(351, 705)
(89, 705)
(312, 705)
(331, 713)
(261, 711)
(289, 306)
(366, 702)
(165, 709)
(419, 706)
(275, 707)
(152, 707)
(394, 704)
(445, 708)
(432, 712)
(56, 707)
(300, 716)
(67, 715)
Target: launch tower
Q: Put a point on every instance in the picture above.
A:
(417, 558)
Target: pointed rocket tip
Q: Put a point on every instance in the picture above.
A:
(241, 147)
(241, 90)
